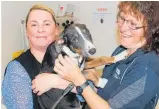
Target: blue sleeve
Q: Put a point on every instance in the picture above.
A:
(137, 88)
(16, 87)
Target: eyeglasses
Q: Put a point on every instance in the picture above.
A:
(121, 20)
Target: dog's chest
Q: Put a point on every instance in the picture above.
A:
(77, 58)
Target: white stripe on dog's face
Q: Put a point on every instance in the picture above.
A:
(87, 43)
(79, 31)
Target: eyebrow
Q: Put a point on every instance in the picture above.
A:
(34, 21)
(128, 19)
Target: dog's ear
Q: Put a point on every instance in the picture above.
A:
(80, 25)
(63, 36)
(65, 39)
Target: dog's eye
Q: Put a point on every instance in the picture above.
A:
(86, 31)
(76, 40)
(76, 36)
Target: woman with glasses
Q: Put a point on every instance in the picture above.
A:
(130, 83)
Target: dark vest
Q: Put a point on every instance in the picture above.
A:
(32, 66)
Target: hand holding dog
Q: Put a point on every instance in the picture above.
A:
(45, 81)
(68, 70)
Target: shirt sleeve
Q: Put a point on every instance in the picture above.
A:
(135, 90)
(16, 87)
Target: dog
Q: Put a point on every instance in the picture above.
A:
(77, 43)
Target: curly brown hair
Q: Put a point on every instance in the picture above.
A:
(150, 11)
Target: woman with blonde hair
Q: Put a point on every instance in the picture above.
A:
(41, 29)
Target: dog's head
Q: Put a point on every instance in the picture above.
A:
(78, 39)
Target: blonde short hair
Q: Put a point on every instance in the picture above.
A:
(40, 7)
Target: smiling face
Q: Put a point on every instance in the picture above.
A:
(131, 30)
(41, 29)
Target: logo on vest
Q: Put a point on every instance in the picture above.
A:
(117, 74)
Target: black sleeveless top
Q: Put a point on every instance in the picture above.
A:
(46, 100)
(32, 66)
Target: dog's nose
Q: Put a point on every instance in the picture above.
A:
(92, 51)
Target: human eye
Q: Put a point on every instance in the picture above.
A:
(47, 24)
(121, 19)
(33, 25)
(132, 24)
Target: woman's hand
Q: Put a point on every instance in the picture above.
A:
(90, 74)
(68, 70)
(45, 81)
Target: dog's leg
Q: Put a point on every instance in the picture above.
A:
(96, 62)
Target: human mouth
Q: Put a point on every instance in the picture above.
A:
(40, 36)
(126, 36)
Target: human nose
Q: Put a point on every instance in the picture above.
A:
(124, 26)
(40, 28)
